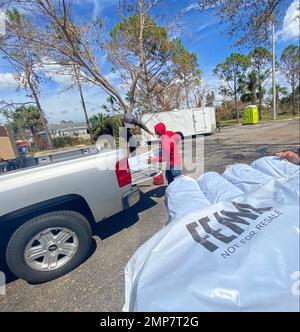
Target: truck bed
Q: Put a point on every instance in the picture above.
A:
(56, 157)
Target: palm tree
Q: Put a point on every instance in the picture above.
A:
(249, 88)
(96, 122)
(27, 118)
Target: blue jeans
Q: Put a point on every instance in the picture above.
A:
(172, 173)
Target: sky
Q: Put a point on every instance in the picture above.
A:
(200, 31)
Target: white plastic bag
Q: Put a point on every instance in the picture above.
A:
(275, 166)
(182, 196)
(216, 188)
(245, 177)
(236, 255)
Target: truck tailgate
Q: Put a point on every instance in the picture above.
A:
(141, 171)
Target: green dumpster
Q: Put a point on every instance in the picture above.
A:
(251, 114)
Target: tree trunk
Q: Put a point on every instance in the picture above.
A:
(88, 126)
(142, 56)
(149, 97)
(260, 100)
(274, 72)
(293, 98)
(236, 110)
(277, 103)
(235, 103)
(38, 105)
(186, 96)
(260, 108)
(34, 136)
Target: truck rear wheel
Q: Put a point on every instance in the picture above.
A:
(49, 246)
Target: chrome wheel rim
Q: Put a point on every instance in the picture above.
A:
(51, 249)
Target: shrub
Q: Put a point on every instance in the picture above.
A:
(62, 141)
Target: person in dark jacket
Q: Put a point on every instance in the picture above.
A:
(218, 121)
(169, 152)
(122, 125)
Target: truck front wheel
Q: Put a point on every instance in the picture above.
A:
(49, 246)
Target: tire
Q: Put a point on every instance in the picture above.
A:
(62, 238)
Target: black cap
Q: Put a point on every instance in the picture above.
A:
(129, 118)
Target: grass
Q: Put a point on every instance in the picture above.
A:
(227, 123)
(266, 117)
(284, 116)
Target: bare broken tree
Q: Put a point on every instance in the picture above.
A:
(187, 70)
(15, 49)
(156, 53)
(72, 70)
(124, 54)
(170, 97)
(248, 21)
(199, 95)
(140, 52)
(68, 43)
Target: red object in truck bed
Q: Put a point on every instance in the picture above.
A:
(158, 180)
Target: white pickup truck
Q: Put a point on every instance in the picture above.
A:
(47, 212)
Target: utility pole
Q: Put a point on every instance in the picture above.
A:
(274, 71)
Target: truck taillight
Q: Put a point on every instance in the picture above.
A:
(123, 173)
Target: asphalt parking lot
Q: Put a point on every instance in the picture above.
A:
(98, 284)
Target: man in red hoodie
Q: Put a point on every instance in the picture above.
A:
(169, 152)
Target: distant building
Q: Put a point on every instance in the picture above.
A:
(68, 129)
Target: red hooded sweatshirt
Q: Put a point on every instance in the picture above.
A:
(169, 146)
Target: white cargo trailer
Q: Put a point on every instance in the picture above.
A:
(186, 122)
